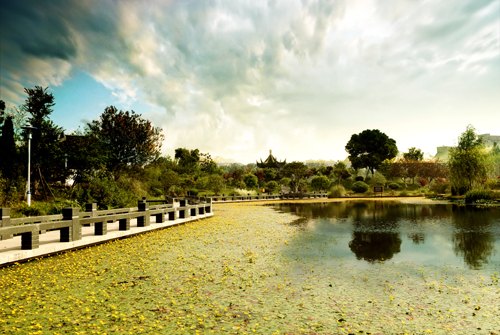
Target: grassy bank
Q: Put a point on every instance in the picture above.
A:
(239, 272)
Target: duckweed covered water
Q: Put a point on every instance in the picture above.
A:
(240, 273)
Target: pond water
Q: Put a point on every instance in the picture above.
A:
(361, 233)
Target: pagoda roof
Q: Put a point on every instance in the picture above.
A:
(271, 162)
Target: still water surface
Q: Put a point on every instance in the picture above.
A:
(362, 233)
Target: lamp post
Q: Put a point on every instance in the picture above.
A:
(29, 128)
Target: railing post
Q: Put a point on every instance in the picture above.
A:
(100, 228)
(74, 231)
(91, 209)
(31, 240)
(143, 221)
(171, 215)
(160, 218)
(124, 224)
(5, 216)
(208, 205)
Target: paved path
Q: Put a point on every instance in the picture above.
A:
(10, 250)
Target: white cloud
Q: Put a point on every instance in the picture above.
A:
(234, 78)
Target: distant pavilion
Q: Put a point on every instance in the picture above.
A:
(271, 162)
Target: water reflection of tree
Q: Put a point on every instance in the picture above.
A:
(375, 246)
(376, 229)
(417, 237)
(472, 238)
(377, 225)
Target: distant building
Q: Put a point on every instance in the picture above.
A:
(489, 140)
(442, 153)
(320, 162)
(271, 162)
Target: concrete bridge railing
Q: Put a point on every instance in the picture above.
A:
(70, 222)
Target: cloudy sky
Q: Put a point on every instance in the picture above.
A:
(237, 78)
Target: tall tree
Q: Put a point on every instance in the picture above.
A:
(370, 148)
(7, 144)
(495, 158)
(469, 161)
(340, 171)
(296, 171)
(8, 152)
(414, 154)
(432, 169)
(187, 160)
(46, 153)
(126, 138)
(405, 168)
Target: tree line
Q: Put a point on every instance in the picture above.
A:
(117, 158)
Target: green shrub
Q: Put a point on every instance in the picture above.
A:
(378, 179)
(359, 178)
(155, 192)
(36, 209)
(440, 186)
(359, 187)
(240, 185)
(403, 193)
(459, 189)
(272, 186)
(477, 194)
(203, 183)
(251, 180)
(177, 190)
(193, 192)
(393, 186)
(243, 192)
(336, 192)
(348, 183)
(57, 207)
(320, 183)
(493, 184)
(105, 192)
(285, 181)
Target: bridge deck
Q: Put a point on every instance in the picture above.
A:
(11, 252)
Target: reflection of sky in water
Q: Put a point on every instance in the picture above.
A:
(361, 233)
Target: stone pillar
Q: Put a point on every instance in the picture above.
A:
(31, 240)
(5, 217)
(143, 221)
(101, 228)
(91, 209)
(171, 215)
(74, 231)
(124, 224)
(160, 218)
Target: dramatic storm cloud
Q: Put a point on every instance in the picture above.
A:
(236, 78)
